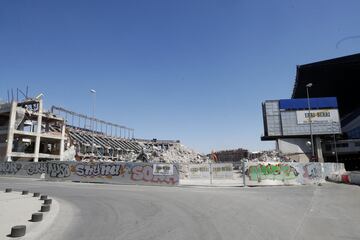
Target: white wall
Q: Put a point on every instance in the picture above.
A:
(295, 148)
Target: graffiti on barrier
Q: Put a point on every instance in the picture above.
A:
(36, 168)
(279, 171)
(145, 173)
(114, 172)
(57, 170)
(97, 170)
(312, 170)
(9, 168)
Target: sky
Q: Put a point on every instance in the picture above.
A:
(194, 71)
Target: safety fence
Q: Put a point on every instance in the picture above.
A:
(217, 174)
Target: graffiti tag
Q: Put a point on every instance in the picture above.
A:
(37, 168)
(272, 172)
(10, 167)
(57, 170)
(312, 171)
(98, 170)
(145, 173)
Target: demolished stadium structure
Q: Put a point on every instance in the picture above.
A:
(29, 133)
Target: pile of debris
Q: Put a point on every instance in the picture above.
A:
(174, 154)
(268, 156)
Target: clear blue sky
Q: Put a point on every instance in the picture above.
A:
(191, 70)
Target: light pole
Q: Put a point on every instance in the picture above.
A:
(309, 85)
(93, 93)
(335, 148)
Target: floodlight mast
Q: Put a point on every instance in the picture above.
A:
(93, 93)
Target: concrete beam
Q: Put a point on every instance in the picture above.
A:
(38, 131)
(11, 129)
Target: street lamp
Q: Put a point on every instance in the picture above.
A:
(93, 93)
(334, 136)
(309, 85)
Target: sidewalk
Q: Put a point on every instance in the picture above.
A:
(16, 209)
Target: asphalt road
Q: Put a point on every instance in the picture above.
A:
(104, 212)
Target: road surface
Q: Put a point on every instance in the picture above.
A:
(107, 212)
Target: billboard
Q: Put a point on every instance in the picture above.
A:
(290, 117)
(318, 116)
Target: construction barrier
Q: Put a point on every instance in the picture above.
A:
(258, 173)
(102, 172)
(354, 178)
(222, 174)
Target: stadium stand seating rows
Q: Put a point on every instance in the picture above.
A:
(104, 146)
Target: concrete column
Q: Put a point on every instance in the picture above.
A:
(38, 132)
(318, 149)
(62, 142)
(10, 137)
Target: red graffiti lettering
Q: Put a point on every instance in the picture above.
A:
(145, 173)
(137, 173)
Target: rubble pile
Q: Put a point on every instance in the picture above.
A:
(268, 156)
(174, 154)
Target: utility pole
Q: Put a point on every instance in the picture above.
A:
(309, 85)
(334, 136)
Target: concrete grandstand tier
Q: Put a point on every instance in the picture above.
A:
(105, 146)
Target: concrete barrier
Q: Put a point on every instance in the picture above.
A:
(339, 178)
(354, 178)
(18, 231)
(47, 201)
(43, 197)
(335, 177)
(260, 173)
(36, 194)
(345, 178)
(45, 208)
(252, 173)
(102, 172)
(36, 217)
